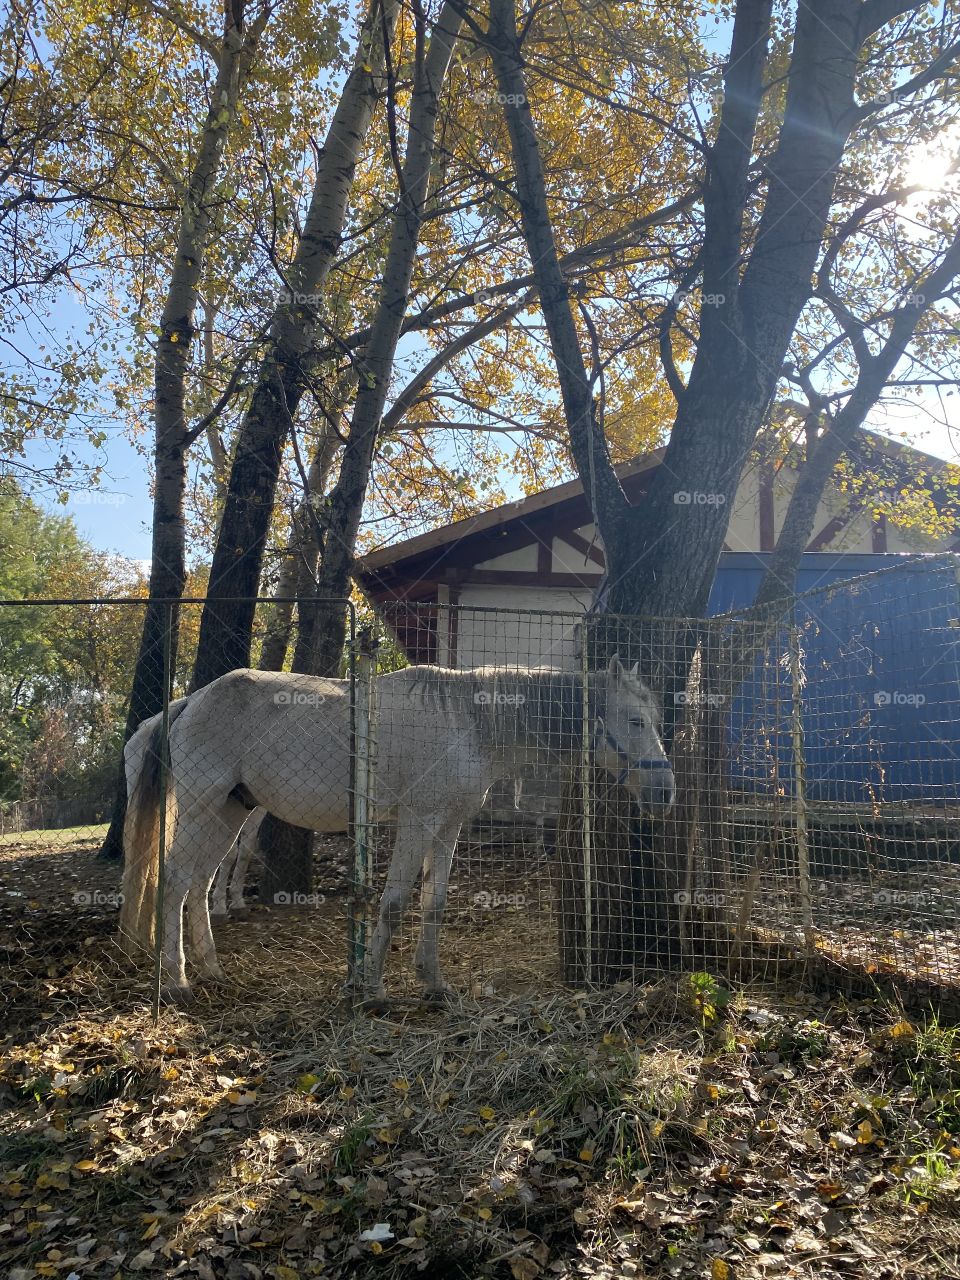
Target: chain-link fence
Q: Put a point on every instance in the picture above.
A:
(569, 799)
(815, 753)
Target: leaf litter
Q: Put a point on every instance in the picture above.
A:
(625, 1132)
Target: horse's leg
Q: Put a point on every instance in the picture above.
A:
(433, 900)
(245, 851)
(404, 867)
(222, 827)
(174, 987)
(218, 891)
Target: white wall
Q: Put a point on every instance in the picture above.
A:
(512, 635)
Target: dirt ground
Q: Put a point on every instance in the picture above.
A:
(674, 1127)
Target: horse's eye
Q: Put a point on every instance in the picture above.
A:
(636, 724)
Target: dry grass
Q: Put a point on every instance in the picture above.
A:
(654, 1130)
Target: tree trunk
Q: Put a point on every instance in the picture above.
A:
(299, 568)
(325, 619)
(666, 564)
(227, 621)
(178, 329)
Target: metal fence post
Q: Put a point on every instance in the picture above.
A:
(364, 652)
(587, 799)
(167, 616)
(800, 783)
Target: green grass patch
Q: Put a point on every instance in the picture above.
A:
(53, 837)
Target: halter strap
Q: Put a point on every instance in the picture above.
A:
(621, 755)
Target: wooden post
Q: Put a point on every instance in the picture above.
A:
(362, 768)
(168, 614)
(800, 783)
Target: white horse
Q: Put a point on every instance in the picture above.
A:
(227, 892)
(284, 742)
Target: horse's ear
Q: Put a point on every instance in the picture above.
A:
(635, 670)
(615, 667)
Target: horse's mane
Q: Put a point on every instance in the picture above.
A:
(540, 707)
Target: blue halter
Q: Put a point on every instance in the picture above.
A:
(625, 759)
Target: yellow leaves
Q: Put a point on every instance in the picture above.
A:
(902, 1030)
(387, 1135)
(85, 1166)
(307, 1083)
(586, 1154)
(487, 1113)
(720, 1270)
(865, 1133)
(402, 1085)
(241, 1097)
(54, 1181)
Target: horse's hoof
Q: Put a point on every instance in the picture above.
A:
(376, 1003)
(177, 996)
(364, 998)
(438, 996)
(213, 977)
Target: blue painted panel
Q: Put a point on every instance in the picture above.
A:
(881, 660)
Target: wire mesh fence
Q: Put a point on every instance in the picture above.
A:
(501, 800)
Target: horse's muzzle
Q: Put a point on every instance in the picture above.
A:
(659, 791)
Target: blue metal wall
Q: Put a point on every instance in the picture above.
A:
(881, 661)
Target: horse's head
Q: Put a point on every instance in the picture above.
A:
(627, 739)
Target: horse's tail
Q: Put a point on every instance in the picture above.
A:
(141, 832)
